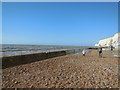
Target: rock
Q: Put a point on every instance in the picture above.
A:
(15, 82)
(111, 41)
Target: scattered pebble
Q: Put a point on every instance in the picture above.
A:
(71, 71)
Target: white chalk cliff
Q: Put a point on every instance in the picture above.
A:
(111, 41)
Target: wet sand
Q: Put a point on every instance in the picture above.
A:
(71, 71)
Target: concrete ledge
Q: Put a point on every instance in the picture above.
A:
(24, 59)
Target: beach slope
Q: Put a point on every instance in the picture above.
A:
(70, 71)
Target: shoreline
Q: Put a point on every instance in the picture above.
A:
(70, 71)
(14, 50)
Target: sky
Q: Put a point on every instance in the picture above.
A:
(58, 23)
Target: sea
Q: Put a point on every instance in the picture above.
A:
(15, 49)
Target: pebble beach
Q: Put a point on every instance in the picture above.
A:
(70, 71)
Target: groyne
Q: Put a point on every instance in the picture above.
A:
(24, 59)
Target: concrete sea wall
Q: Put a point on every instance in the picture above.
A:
(24, 59)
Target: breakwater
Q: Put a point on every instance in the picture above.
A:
(24, 59)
